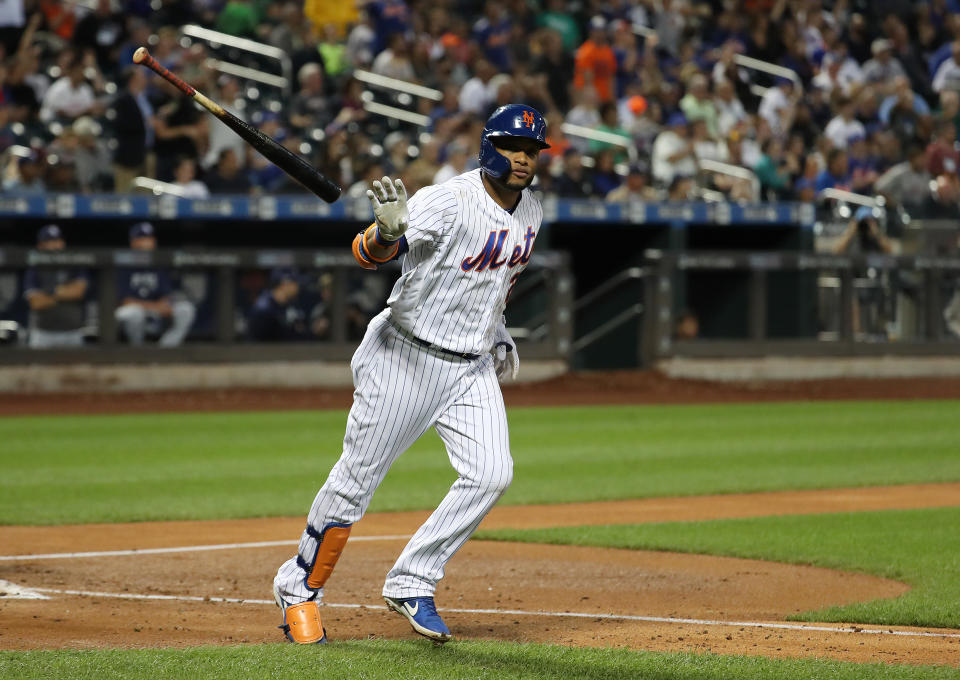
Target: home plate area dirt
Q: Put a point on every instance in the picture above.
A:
(503, 591)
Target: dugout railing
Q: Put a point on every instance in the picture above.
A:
(223, 282)
(752, 304)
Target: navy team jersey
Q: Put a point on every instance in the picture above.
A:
(148, 285)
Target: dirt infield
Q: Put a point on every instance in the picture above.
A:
(626, 387)
(556, 594)
(579, 596)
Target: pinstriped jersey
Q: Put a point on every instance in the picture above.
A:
(464, 255)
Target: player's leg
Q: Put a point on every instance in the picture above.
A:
(184, 312)
(399, 390)
(474, 429)
(133, 320)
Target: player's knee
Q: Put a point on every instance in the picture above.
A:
(498, 479)
(129, 314)
(184, 312)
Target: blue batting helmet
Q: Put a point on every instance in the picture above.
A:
(513, 120)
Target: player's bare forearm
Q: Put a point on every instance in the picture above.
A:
(75, 290)
(38, 300)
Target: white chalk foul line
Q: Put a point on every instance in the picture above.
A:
(522, 612)
(181, 549)
(12, 591)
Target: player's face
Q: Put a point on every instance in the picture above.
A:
(524, 156)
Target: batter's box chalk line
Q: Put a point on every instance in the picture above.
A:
(850, 629)
(11, 591)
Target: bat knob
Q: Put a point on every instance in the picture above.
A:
(140, 55)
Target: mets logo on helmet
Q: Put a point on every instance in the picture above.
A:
(528, 119)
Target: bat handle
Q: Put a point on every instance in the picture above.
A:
(144, 58)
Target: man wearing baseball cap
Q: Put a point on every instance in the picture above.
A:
(149, 305)
(56, 298)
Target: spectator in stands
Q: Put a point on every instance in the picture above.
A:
(838, 75)
(730, 110)
(222, 137)
(81, 142)
(134, 129)
(492, 33)
(636, 186)
(455, 164)
(181, 131)
(56, 297)
(476, 96)
(947, 76)
(837, 173)
(907, 183)
(697, 105)
(604, 176)
(556, 64)
(595, 64)
(775, 170)
(610, 124)
(101, 30)
(942, 155)
(778, 106)
(310, 105)
(239, 18)
(844, 126)
(70, 96)
(556, 18)
(185, 177)
(394, 62)
(883, 67)
(673, 152)
(863, 167)
(573, 181)
(28, 178)
(149, 305)
(61, 175)
(228, 177)
(584, 114)
(681, 188)
(275, 316)
(903, 110)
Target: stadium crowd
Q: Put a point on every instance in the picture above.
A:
(870, 101)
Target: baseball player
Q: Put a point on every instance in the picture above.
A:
(148, 301)
(432, 358)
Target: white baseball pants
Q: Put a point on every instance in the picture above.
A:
(401, 389)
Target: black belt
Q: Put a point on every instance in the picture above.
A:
(410, 336)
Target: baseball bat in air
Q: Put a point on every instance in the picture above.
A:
(289, 162)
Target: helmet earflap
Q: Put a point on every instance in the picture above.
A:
(492, 161)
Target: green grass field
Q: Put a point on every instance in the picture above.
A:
(918, 547)
(199, 466)
(420, 660)
(206, 466)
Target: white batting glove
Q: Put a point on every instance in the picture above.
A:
(389, 200)
(506, 361)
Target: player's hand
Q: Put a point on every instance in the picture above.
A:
(506, 361)
(389, 200)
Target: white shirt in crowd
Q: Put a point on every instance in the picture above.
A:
(667, 144)
(772, 105)
(947, 76)
(194, 189)
(63, 99)
(840, 131)
(476, 97)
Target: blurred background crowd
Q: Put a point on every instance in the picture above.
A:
(867, 98)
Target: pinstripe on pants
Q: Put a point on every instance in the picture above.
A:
(401, 389)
